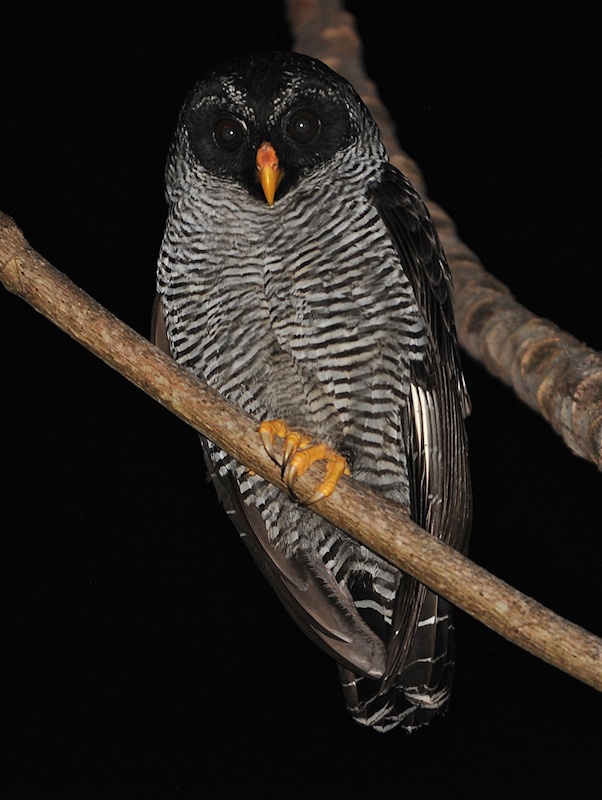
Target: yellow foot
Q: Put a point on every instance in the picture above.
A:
(299, 454)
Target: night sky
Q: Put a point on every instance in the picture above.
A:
(147, 656)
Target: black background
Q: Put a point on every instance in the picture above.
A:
(149, 659)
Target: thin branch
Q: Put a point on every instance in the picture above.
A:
(379, 524)
(549, 369)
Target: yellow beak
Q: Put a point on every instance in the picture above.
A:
(268, 171)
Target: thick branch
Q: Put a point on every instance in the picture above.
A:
(548, 369)
(379, 524)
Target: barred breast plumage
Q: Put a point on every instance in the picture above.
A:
(325, 306)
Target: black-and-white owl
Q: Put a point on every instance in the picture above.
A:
(300, 275)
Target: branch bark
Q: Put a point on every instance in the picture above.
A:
(549, 369)
(379, 524)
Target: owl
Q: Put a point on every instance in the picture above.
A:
(300, 275)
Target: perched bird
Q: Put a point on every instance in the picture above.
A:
(300, 275)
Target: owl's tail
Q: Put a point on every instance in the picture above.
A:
(421, 688)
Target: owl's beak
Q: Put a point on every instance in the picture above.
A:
(268, 171)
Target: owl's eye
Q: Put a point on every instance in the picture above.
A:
(229, 134)
(303, 126)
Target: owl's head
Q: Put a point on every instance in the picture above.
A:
(266, 121)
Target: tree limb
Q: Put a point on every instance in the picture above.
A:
(549, 369)
(379, 524)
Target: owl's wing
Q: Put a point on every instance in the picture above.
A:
(322, 609)
(420, 648)
(435, 434)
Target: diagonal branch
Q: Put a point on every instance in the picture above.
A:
(549, 369)
(379, 524)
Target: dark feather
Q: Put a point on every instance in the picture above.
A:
(439, 402)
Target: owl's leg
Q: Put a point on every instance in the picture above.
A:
(300, 452)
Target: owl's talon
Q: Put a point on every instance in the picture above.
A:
(289, 449)
(299, 453)
(336, 465)
(267, 430)
(291, 477)
(293, 443)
